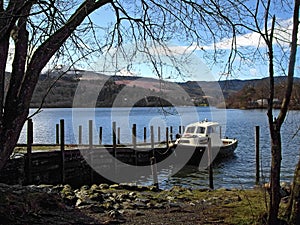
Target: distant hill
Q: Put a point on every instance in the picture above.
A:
(139, 91)
(120, 91)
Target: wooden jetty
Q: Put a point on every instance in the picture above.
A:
(72, 165)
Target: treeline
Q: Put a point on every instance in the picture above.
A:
(256, 95)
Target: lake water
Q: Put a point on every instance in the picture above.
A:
(237, 171)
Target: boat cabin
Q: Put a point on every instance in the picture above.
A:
(198, 133)
(203, 128)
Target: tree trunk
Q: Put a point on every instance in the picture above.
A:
(275, 177)
(293, 209)
(9, 136)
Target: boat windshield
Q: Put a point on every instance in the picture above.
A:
(211, 130)
(190, 129)
(200, 130)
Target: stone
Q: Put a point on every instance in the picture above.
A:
(70, 200)
(158, 206)
(140, 205)
(114, 186)
(143, 200)
(57, 189)
(127, 205)
(96, 197)
(132, 195)
(115, 214)
(170, 198)
(103, 186)
(84, 187)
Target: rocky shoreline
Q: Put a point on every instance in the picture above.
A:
(122, 204)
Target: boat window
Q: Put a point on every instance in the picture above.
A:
(190, 129)
(200, 130)
(210, 130)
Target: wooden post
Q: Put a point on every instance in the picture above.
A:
(91, 151)
(210, 169)
(119, 135)
(57, 134)
(145, 134)
(257, 154)
(167, 136)
(100, 136)
(114, 129)
(114, 139)
(220, 131)
(29, 150)
(152, 140)
(152, 137)
(154, 172)
(80, 135)
(134, 136)
(158, 134)
(171, 133)
(62, 150)
(90, 134)
(179, 129)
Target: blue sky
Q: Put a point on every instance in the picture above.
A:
(191, 60)
(198, 67)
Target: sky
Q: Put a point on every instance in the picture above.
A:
(197, 67)
(190, 59)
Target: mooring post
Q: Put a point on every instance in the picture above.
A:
(171, 133)
(100, 135)
(167, 136)
(152, 136)
(91, 151)
(210, 168)
(220, 131)
(114, 139)
(62, 150)
(154, 172)
(158, 134)
(80, 135)
(29, 150)
(90, 134)
(134, 136)
(179, 129)
(119, 135)
(145, 134)
(257, 154)
(57, 133)
(114, 129)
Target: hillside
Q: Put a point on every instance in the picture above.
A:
(122, 91)
(118, 91)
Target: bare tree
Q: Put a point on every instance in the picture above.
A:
(39, 30)
(275, 123)
(281, 60)
(277, 46)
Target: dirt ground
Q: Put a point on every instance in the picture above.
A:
(22, 206)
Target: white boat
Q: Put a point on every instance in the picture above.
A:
(195, 139)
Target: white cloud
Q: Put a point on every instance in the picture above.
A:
(282, 35)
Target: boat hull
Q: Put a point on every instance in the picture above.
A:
(176, 154)
(199, 155)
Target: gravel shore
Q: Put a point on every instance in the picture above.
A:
(126, 204)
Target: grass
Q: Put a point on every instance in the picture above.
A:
(224, 206)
